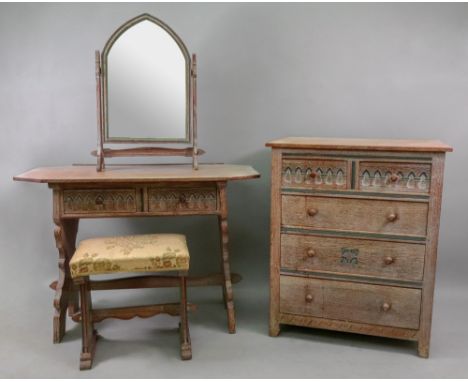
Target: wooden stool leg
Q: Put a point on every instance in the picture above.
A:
(185, 344)
(89, 335)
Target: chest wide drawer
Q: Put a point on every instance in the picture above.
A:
(315, 173)
(347, 301)
(183, 200)
(358, 215)
(386, 260)
(89, 201)
(394, 177)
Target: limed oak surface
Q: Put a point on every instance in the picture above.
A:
(354, 246)
(135, 191)
(402, 145)
(377, 259)
(138, 173)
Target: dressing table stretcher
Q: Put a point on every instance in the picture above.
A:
(132, 191)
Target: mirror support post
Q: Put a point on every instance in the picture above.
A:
(193, 74)
(100, 150)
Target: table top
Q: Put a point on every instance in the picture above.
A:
(137, 173)
(406, 145)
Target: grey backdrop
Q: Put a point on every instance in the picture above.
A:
(265, 71)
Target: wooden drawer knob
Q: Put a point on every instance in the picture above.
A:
(182, 199)
(310, 252)
(389, 260)
(394, 177)
(313, 174)
(312, 211)
(99, 201)
(386, 306)
(392, 217)
(309, 297)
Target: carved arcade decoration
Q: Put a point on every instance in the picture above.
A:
(82, 201)
(314, 174)
(403, 177)
(197, 199)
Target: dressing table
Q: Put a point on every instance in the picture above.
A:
(146, 94)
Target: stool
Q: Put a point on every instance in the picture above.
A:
(137, 253)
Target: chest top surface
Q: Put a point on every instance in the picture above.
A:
(138, 173)
(397, 145)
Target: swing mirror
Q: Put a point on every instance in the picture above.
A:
(146, 84)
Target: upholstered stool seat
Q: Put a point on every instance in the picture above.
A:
(136, 253)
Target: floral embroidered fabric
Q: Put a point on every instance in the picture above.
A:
(136, 253)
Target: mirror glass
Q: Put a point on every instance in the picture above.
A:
(146, 84)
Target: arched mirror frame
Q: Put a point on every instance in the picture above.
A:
(102, 105)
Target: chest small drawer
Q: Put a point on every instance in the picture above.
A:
(358, 215)
(387, 260)
(315, 173)
(348, 301)
(394, 177)
(102, 200)
(182, 200)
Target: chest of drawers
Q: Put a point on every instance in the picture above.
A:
(354, 229)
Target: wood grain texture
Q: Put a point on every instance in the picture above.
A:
(228, 293)
(88, 333)
(365, 255)
(362, 303)
(315, 173)
(403, 145)
(410, 218)
(394, 177)
(148, 152)
(349, 326)
(388, 260)
(194, 111)
(99, 116)
(143, 311)
(93, 194)
(185, 342)
(165, 199)
(89, 316)
(138, 282)
(66, 296)
(138, 174)
(99, 200)
(275, 250)
(431, 254)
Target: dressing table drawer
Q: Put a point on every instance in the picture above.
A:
(357, 257)
(356, 215)
(188, 200)
(315, 173)
(92, 201)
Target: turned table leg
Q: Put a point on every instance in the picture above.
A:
(224, 234)
(185, 343)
